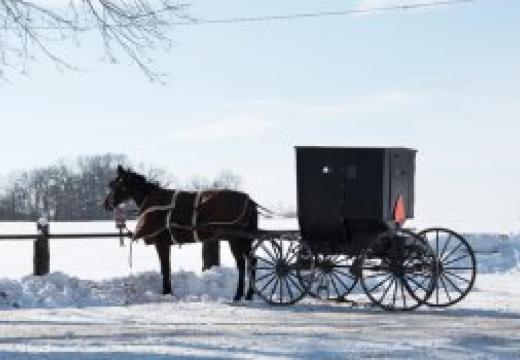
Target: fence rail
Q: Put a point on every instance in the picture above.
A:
(66, 236)
(41, 258)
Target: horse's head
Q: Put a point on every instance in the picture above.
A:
(121, 188)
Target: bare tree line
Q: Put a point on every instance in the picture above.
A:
(75, 191)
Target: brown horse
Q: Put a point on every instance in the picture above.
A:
(169, 217)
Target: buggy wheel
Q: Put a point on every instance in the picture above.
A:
(334, 277)
(283, 269)
(456, 266)
(397, 271)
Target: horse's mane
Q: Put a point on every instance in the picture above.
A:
(142, 181)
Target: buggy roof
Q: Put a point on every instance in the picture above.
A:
(354, 147)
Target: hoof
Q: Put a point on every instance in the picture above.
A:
(236, 299)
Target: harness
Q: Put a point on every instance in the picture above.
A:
(189, 225)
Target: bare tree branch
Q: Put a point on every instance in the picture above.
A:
(135, 28)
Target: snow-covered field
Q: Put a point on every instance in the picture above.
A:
(93, 306)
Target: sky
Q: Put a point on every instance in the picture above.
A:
(445, 81)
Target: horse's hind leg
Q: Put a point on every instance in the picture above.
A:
(238, 249)
(162, 245)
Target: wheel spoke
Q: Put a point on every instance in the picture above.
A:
(289, 277)
(338, 293)
(386, 290)
(264, 276)
(437, 289)
(436, 243)
(267, 284)
(416, 283)
(453, 251)
(457, 259)
(344, 273)
(294, 253)
(275, 286)
(288, 251)
(425, 278)
(264, 260)
(452, 283)
(268, 252)
(276, 249)
(402, 292)
(456, 276)
(394, 299)
(381, 283)
(445, 247)
(295, 272)
(281, 291)
(341, 281)
(445, 288)
(420, 275)
(320, 282)
(289, 290)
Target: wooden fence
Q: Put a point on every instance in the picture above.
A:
(41, 257)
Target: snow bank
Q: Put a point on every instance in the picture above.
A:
(495, 252)
(58, 290)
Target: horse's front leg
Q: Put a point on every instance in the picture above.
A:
(162, 245)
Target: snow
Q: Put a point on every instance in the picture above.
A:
(93, 306)
(496, 252)
(43, 221)
(58, 290)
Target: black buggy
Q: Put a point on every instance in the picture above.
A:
(352, 203)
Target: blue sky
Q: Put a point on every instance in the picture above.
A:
(445, 81)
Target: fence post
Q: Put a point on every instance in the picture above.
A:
(41, 260)
(210, 254)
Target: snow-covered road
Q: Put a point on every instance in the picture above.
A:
(196, 330)
(484, 326)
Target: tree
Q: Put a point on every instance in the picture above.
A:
(67, 190)
(226, 179)
(75, 190)
(31, 28)
(61, 192)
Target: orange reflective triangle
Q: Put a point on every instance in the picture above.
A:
(400, 211)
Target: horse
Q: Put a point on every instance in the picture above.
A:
(168, 217)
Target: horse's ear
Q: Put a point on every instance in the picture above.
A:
(120, 170)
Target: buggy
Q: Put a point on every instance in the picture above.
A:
(352, 205)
